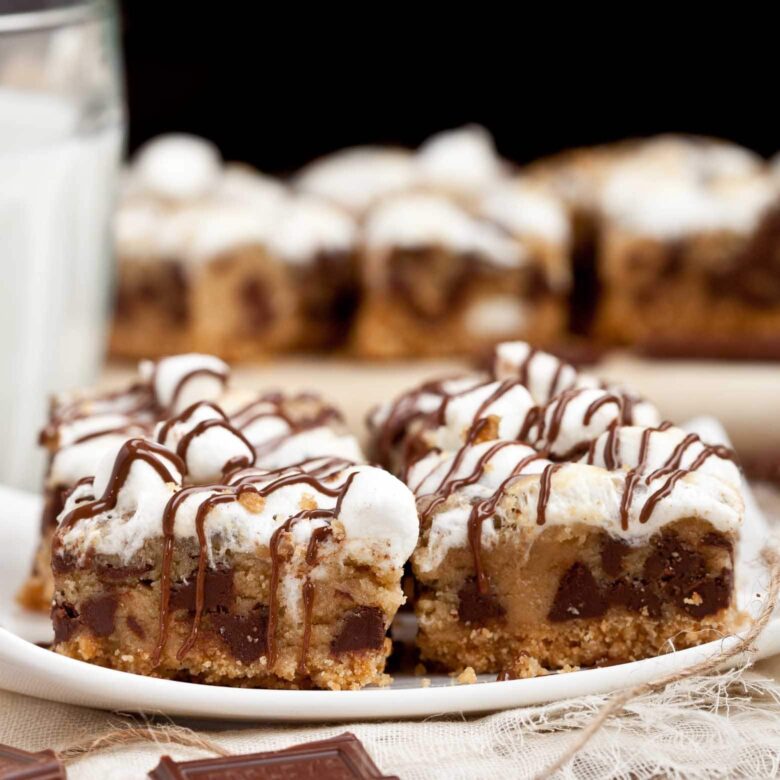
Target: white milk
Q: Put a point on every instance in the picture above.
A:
(56, 200)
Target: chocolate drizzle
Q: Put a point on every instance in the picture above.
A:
(545, 485)
(150, 453)
(277, 406)
(243, 484)
(200, 428)
(221, 376)
(482, 510)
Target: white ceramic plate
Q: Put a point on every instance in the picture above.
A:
(32, 670)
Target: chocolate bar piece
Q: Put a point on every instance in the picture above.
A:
(339, 758)
(18, 764)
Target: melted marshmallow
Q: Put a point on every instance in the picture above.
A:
(525, 210)
(182, 380)
(461, 161)
(378, 516)
(311, 443)
(75, 458)
(356, 178)
(308, 227)
(177, 166)
(210, 452)
(509, 406)
(419, 220)
(579, 493)
(672, 186)
(573, 430)
(546, 375)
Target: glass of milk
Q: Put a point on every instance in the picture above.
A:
(61, 136)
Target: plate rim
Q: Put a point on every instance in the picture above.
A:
(72, 681)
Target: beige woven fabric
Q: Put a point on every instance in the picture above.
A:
(727, 726)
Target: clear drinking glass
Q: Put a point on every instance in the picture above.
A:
(61, 137)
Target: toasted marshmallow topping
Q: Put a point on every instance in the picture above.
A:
(182, 380)
(460, 161)
(308, 227)
(310, 443)
(525, 210)
(375, 512)
(356, 178)
(178, 166)
(671, 187)
(418, 220)
(204, 439)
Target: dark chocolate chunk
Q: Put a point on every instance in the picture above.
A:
(64, 563)
(753, 275)
(634, 595)
(708, 596)
(256, 300)
(680, 574)
(362, 628)
(476, 607)
(578, 596)
(430, 282)
(339, 758)
(136, 627)
(245, 635)
(97, 614)
(217, 592)
(65, 620)
(715, 539)
(16, 764)
(613, 551)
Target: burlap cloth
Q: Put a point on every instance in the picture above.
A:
(728, 726)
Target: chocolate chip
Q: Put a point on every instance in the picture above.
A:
(65, 620)
(136, 627)
(256, 300)
(63, 563)
(245, 635)
(217, 591)
(612, 553)
(635, 595)
(715, 539)
(680, 574)
(362, 628)
(753, 273)
(476, 607)
(97, 614)
(578, 596)
(428, 281)
(709, 596)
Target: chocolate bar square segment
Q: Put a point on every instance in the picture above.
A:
(18, 764)
(339, 758)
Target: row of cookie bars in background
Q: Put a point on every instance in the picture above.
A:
(201, 533)
(669, 244)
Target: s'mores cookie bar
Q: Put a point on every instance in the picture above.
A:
(189, 562)
(563, 523)
(690, 256)
(438, 279)
(84, 425)
(222, 259)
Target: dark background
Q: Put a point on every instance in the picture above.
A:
(279, 93)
